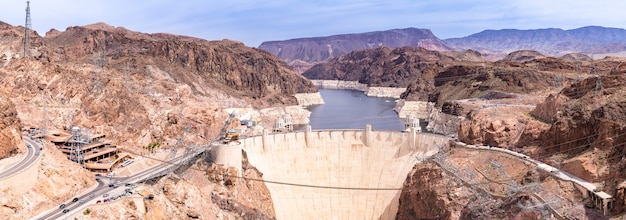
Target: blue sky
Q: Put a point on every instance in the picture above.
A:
(255, 21)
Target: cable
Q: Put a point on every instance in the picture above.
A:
(313, 186)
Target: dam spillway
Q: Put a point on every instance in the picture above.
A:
(338, 174)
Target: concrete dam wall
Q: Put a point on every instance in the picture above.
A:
(342, 174)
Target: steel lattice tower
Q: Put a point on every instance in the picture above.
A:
(77, 142)
(27, 27)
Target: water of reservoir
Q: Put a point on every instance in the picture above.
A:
(351, 109)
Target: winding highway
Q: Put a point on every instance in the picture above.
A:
(88, 198)
(33, 149)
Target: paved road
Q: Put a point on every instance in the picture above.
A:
(103, 187)
(33, 152)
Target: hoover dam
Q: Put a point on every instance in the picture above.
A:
(334, 174)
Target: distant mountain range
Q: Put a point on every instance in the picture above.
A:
(551, 41)
(317, 49)
(492, 44)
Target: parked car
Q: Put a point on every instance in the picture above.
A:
(105, 195)
(62, 206)
(66, 210)
(75, 200)
(98, 202)
(92, 195)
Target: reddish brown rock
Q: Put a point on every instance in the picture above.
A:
(383, 66)
(10, 129)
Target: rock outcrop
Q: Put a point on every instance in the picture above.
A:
(10, 129)
(576, 57)
(521, 56)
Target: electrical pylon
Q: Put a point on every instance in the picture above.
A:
(27, 27)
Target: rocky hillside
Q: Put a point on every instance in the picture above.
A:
(227, 65)
(383, 66)
(464, 82)
(586, 132)
(318, 49)
(143, 88)
(10, 129)
(551, 41)
(204, 191)
(470, 184)
(566, 113)
(49, 182)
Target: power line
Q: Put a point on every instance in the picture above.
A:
(314, 186)
(336, 187)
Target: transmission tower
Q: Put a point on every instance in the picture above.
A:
(599, 87)
(27, 27)
(77, 141)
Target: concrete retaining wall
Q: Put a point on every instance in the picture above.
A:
(390, 92)
(419, 109)
(339, 84)
(334, 171)
(227, 155)
(306, 99)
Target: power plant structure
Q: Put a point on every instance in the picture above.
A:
(412, 122)
(283, 124)
(92, 151)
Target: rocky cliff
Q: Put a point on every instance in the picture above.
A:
(228, 65)
(383, 66)
(10, 129)
(318, 49)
